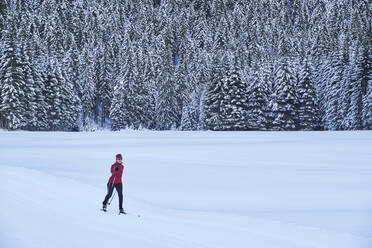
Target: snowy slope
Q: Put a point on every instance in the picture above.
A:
(187, 189)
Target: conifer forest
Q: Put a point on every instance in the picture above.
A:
(81, 65)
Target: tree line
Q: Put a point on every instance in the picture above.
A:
(185, 65)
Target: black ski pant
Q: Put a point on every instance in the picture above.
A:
(110, 190)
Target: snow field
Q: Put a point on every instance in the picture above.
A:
(191, 189)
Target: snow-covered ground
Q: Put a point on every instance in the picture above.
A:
(187, 189)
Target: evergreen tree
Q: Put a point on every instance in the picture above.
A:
(30, 88)
(334, 77)
(186, 121)
(367, 107)
(33, 53)
(234, 111)
(267, 77)
(285, 98)
(257, 101)
(138, 102)
(166, 99)
(212, 102)
(307, 108)
(117, 114)
(363, 77)
(176, 44)
(13, 105)
(70, 107)
(106, 86)
(190, 113)
(52, 92)
(166, 115)
(88, 92)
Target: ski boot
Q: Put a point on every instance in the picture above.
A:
(104, 208)
(122, 211)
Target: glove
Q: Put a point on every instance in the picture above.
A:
(117, 168)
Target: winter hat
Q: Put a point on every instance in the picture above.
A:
(118, 156)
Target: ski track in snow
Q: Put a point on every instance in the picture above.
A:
(191, 189)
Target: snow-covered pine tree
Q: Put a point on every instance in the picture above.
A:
(1, 76)
(52, 80)
(29, 98)
(347, 87)
(352, 118)
(234, 103)
(118, 118)
(285, 98)
(166, 112)
(364, 64)
(334, 77)
(69, 103)
(257, 101)
(367, 107)
(74, 66)
(13, 105)
(186, 121)
(88, 91)
(307, 116)
(166, 102)
(138, 99)
(267, 77)
(181, 89)
(190, 113)
(33, 51)
(106, 86)
(149, 85)
(213, 97)
(319, 67)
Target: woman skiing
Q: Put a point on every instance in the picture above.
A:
(115, 182)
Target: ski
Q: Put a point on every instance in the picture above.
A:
(120, 213)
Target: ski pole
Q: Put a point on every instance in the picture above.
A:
(113, 186)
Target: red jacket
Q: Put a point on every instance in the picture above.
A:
(116, 174)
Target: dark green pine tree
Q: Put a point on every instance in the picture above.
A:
(285, 98)
(307, 115)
